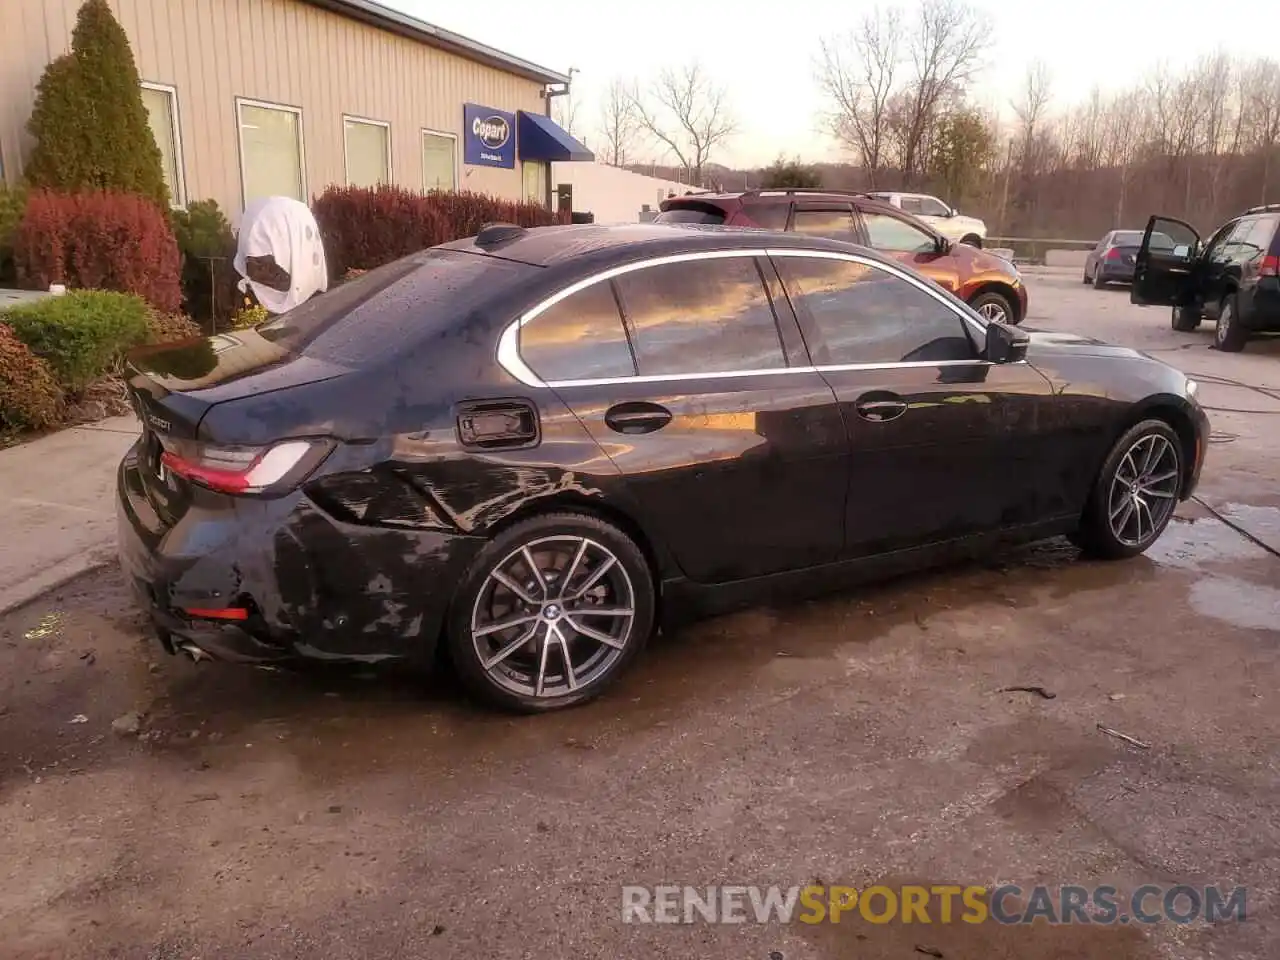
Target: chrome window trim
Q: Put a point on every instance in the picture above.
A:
(508, 354)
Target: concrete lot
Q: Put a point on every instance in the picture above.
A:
(853, 740)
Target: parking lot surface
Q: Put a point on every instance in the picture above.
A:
(860, 739)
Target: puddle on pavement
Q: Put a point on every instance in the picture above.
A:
(1241, 603)
(1262, 522)
(1191, 543)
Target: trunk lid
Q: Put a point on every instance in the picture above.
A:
(173, 386)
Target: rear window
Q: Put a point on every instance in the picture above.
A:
(690, 215)
(378, 313)
(1132, 238)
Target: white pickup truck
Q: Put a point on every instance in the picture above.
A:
(948, 221)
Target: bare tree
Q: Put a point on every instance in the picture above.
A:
(688, 114)
(619, 123)
(1030, 109)
(564, 111)
(946, 51)
(1260, 108)
(856, 72)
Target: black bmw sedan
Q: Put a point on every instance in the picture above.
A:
(534, 446)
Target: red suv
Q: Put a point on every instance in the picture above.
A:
(989, 284)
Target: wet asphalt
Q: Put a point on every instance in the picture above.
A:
(863, 738)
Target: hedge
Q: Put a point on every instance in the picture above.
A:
(83, 334)
(99, 240)
(365, 227)
(30, 398)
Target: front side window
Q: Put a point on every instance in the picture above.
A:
(886, 232)
(863, 314)
(271, 151)
(701, 316)
(833, 224)
(439, 161)
(162, 116)
(579, 338)
(933, 207)
(368, 145)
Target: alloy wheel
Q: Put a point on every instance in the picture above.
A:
(1144, 491)
(1223, 329)
(553, 616)
(993, 311)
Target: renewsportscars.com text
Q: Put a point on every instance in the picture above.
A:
(941, 903)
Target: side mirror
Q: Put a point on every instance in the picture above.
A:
(1005, 344)
(953, 212)
(1182, 251)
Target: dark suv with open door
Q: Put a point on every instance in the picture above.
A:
(1232, 279)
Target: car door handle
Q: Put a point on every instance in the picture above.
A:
(637, 417)
(880, 406)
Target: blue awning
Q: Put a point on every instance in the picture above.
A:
(541, 138)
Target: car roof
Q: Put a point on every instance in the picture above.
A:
(599, 246)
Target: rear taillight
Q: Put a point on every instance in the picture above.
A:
(244, 470)
(1114, 254)
(1270, 266)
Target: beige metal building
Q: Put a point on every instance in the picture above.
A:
(249, 98)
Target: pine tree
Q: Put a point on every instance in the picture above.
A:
(89, 121)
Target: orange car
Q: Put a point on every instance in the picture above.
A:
(989, 284)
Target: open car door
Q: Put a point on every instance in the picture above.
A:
(1164, 270)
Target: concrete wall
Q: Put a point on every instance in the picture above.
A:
(280, 51)
(614, 195)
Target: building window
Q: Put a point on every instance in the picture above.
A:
(161, 102)
(368, 145)
(439, 161)
(535, 182)
(271, 158)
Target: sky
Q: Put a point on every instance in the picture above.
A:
(764, 53)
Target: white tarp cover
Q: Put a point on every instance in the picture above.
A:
(285, 229)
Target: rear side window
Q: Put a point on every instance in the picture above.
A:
(579, 338)
(863, 314)
(700, 316)
(1257, 238)
(770, 216)
(833, 224)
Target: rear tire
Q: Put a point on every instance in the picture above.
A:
(994, 306)
(1098, 282)
(1228, 335)
(1135, 494)
(1185, 319)
(556, 652)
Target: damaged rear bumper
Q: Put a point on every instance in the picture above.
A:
(313, 588)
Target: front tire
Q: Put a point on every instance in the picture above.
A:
(1135, 494)
(551, 612)
(1228, 335)
(994, 306)
(972, 240)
